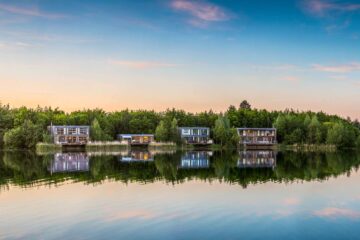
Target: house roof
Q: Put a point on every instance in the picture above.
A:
(193, 128)
(67, 126)
(269, 129)
(135, 135)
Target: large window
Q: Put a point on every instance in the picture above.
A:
(204, 132)
(72, 131)
(60, 131)
(83, 131)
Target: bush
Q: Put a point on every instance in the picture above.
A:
(26, 136)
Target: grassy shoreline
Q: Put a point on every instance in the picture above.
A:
(116, 146)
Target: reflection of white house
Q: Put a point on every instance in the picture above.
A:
(70, 135)
(195, 159)
(136, 156)
(257, 159)
(69, 162)
(195, 135)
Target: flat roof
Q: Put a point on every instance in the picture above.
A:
(137, 135)
(256, 128)
(69, 126)
(194, 127)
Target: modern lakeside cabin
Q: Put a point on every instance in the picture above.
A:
(195, 135)
(70, 135)
(136, 139)
(257, 137)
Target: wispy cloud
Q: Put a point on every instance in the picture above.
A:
(291, 79)
(22, 44)
(141, 64)
(29, 11)
(346, 68)
(323, 7)
(337, 212)
(201, 12)
(291, 201)
(132, 214)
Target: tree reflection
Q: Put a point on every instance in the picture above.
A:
(243, 168)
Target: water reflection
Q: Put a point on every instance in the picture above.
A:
(69, 162)
(243, 168)
(196, 159)
(137, 155)
(257, 159)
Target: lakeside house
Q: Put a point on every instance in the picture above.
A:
(136, 139)
(195, 159)
(257, 136)
(70, 135)
(69, 162)
(136, 156)
(257, 159)
(195, 135)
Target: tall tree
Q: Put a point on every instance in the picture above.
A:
(245, 105)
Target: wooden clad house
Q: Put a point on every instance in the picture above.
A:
(70, 135)
(136, 139)
(257, 136)
(195, 135)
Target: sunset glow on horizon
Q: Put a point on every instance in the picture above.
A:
(194, 55)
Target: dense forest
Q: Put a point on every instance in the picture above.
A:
(24, 127)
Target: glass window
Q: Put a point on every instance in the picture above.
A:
(83, 131)
(59, 131)
(72, 131)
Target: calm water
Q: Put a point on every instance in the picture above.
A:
(180, 195)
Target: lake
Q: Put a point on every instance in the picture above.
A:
(180, 195)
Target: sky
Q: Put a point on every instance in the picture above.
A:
(194, 55)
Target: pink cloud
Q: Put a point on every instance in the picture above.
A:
(138, 214)
(141, 64)
(291, 201)
(291, 79)
(322, 7)
(33, 12)
(201, 11)
(337, 212)
(346, 68)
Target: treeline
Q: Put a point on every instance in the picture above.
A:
(24, 127)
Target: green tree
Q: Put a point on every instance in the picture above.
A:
(341, 135)
(314, 131)
(174, 132)
(25, 136)
(245, 105)
(224, 133)
(161, 132)
(96, 132)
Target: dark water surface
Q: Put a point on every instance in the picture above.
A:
(180, 195)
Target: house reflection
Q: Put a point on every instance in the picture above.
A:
(195, 159)
(136, 156)
(69, 162)
(257, 159)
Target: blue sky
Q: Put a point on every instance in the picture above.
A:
(195, 55)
